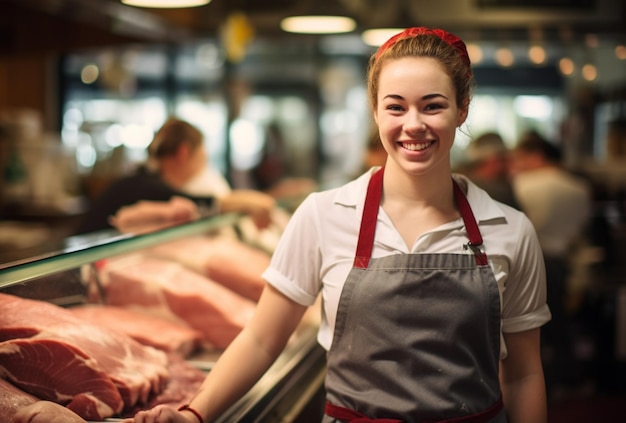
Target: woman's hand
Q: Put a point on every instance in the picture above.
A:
(256, 204)
(149, 216)
(162, 414)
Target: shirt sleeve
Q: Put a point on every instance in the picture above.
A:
(524, 302)
(295, 264)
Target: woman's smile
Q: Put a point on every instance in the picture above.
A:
(416, 146)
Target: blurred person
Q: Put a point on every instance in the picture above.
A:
(487, 165)
(176, 168)
(274, 174)
(559, 204)
(411, 262)
(375, 153)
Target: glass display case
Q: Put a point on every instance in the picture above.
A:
(285, 393)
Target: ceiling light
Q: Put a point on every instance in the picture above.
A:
(377, 37)
(166, 4)
(318, 24)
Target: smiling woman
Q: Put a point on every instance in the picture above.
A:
(425, 233)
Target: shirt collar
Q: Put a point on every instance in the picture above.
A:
(484, 207)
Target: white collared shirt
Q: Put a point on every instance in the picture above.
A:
(316, 252)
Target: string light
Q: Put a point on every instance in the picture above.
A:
(475, 52)
(566, 66)
(589, 72)
(537, 54)
(504, 57)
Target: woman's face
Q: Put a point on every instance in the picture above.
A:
(417, 113)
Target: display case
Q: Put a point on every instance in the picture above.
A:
(290, 391)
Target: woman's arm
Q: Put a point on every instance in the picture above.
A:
(148, 216)
(256, 204)
(522, 379)
(245, 360)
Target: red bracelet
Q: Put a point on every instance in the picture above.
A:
(192, 411)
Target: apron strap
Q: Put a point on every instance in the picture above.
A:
(475, 238)
(365, 243)
(368, 220)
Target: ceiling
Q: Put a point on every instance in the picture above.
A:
(28, 26)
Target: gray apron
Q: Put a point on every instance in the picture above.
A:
(417, 336)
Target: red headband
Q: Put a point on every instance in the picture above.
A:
(451, 39)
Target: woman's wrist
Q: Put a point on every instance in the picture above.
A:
(186, 407)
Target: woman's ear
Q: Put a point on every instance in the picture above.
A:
(463, 112)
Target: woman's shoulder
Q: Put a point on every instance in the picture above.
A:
(348, 193)
(494, 216)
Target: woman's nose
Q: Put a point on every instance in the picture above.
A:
(414, 122)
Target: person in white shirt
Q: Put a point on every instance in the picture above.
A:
(559, 204)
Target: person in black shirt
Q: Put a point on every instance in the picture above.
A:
(176, 155)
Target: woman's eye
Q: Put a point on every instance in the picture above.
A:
(394, 107)
(433, 106)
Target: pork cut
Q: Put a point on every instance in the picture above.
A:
(11, 399)
(224, 259)
(46, 412)
(145, 328)
(50, 353)
(172, 290)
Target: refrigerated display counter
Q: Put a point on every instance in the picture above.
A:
(291, 390)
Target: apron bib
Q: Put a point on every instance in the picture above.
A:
(417, 336)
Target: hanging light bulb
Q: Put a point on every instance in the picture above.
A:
(375, 37)
(317, 24)
(166, 4)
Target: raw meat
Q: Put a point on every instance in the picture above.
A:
(170, 289)
(50, 353)
(147, 329)
(180, 389)
(224, 259)
(46, 412)
(11, 399)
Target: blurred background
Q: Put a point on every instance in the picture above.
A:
(84, 84)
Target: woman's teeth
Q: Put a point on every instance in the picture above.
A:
(416, 147)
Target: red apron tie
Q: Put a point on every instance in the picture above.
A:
(345, 414)
(351, 416)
